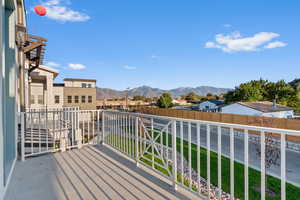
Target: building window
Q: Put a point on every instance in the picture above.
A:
(69, 99)
(32, 99)
(82, 99)
(90, 99)
(83, 85)
(89, 85)
(40, 99)
(56, 99)
(76, 100)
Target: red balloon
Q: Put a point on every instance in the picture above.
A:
(40, 10)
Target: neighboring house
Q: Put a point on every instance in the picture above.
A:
(180, 102)
(44, 93)
(259, 108)
(80, 92)
(210, 106)
(41, 88)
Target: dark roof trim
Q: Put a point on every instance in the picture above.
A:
(58, 84)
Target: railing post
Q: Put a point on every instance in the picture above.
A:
(22, 136)
(137, 141)
(174, 155)
(103, 128)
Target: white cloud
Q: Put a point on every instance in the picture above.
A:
(154, 56)
(76, 66)
(227, 25)
(129, 67)
(275, 44)
(234, 42)
(52, 64)
(60, 12)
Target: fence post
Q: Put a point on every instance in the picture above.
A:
(174, 154)
(23, 136)
(137, 141)
(103, 128)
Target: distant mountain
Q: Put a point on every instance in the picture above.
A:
(155, 92)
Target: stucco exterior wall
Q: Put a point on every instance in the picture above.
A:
(79, 83)
(73, 91)
(58, 91)
(282, 114)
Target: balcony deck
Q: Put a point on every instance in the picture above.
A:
(92, 172)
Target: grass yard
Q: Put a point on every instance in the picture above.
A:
(273, 184)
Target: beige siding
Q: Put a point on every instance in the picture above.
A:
(79, 83)
(58, 91)
(72, 91)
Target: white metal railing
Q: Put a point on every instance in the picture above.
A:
(51, 108)
(57, 130)
(206, 158)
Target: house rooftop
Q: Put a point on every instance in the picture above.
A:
(265, 106)
(48, 69)
(79, 79)
(217, 102)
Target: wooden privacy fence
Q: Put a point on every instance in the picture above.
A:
(292, 124)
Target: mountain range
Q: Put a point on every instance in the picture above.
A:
(155, 92)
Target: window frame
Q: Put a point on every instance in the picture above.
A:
(90, 99)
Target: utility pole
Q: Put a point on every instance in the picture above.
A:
(127, 91)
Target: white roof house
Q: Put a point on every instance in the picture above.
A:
(259, 108)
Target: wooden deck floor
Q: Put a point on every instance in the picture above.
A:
(88, 173)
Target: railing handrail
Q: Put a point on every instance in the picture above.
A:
(230, 125)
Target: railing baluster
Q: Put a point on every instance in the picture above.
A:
(190, 153)
(39, 115)
(152, 142)
(246, 164)
(23, 128)
(208, 158)
(219, 162)
(263, 165)
(88, 127)
(181, 152)
(54, 136)
(198, 157)
(231, 163)
(136, 141)
(31, 131)
(126, 134)
(283, 166)
(47, 131)
(93, 125)
(174, 152)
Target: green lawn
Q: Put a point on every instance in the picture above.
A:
(273, 184)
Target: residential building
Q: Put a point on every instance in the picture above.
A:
(259, 108)
(80, 93)
(43, 92)
(210, 106)
(41, 88)
(110, 103)
(12, 37)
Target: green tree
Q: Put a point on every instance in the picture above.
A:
(165, 101)
(190, 97)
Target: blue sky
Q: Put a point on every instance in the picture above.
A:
(169, 44)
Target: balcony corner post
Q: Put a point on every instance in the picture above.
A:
(174, 151)
(137, 141)
(101, 139)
